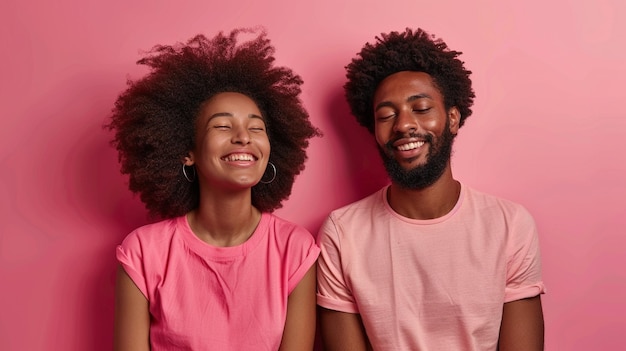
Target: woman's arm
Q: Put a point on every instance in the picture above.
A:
(132, 317)
(299, 333)
(522, 326)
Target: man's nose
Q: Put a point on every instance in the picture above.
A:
(406, 122)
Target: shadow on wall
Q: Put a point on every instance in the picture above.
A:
(106, 197)
(89, 212)
(352, 157)
(358, 151)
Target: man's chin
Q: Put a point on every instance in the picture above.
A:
(410, 165)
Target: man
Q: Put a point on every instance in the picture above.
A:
(426, 263)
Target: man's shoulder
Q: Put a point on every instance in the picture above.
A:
(481, 200)
(355, 218)
(373, 200)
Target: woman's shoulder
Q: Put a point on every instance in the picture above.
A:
(284, 224)
(154, 232)
(286, 230)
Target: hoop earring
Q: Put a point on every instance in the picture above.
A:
(273, 177)
(190, 180)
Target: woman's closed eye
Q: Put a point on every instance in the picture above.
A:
(257, 127)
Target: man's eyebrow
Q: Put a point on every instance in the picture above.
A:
(419, 96)
(383, 104)
(410, 99)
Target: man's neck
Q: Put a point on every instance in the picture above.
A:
(432, 202)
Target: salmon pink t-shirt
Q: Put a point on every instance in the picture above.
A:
(435, 284)
(203, 297)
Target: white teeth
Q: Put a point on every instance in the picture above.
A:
(239, 157)
(410, 146)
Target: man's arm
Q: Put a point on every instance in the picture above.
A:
(522, 326)
(343, 331)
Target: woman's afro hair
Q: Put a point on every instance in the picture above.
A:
(154, 119)
(408, 51)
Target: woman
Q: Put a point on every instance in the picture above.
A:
(212, 139)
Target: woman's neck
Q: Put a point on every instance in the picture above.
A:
(224, 220)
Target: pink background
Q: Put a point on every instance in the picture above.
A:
(547, 131)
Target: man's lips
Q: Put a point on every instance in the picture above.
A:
(410, 145)
(408, 142)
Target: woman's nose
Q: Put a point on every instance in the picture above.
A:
(241, 136)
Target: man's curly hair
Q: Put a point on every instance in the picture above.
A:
(154, 119)
(408, 51)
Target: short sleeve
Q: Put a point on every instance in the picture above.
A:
(303, 254)
(332, 290)
(130, 256)
(524, 260)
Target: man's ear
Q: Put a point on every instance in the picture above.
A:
(454, 116)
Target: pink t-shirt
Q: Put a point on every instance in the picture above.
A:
(429, 284)
(204, 297)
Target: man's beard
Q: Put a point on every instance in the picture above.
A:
(425, 174)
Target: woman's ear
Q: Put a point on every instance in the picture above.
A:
(454, 116)
(189, 159)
